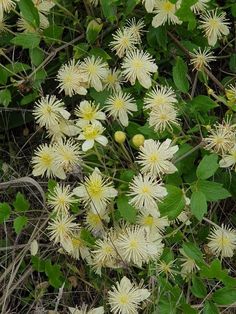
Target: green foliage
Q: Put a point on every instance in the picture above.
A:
(29, 12)
(173, 203)
(26, 40)
(207, 167)
(126, 211)
(19, 223)
(198, 204)
(21, 204)
(5, 211)
(180, 71)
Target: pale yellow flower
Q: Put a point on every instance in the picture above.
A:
(200, 59)
(61, 198)
(163, 117)
(165, 13)
(135, 28)
(222, 241)
(67, 154)
(155, 224)
(160, 95)
(149, 5)
(88, 112)
(199, 6)
(215, 25)
(123, 41)
(113, 80)
(6, 6)
(229, 160)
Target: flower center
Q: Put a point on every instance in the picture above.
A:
(145, 189)
(137, 63)
(94, 219)
(133, 244)
(153, 158)
(76, 242)
(125, 42)
(214, 23)
(92, 69)
(168, 6)
(95, 189)
(124, 299)
(149, 220)
(90, 132)
(159, 100)
(47, 160)
(119, 103)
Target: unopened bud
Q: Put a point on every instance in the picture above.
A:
(138, 140)
(120, 137)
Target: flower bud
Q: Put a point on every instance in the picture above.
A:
(138, 140)
(120, 137)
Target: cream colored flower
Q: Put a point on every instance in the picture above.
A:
(6, 6)
(155, 224)
(163, 117)
(119, 105)
(215, 25)
(60, 199)
(222, 241)
(230, 93)
(165, 268)
(125, 297)
(123, 41)
(200, 59)
(165, 13)
(95, 70)
(92, 133)
(88, 112)
(76, 246)
(188, 265)
(154, 157)
(135, 28)
(49, 110)
(139, 65)
(221, 138)
(44, 163)
(229, 160)
(160, 95)
(113, 80)
(61, 228)
(67, 154)
(95, 192)
(71, 79)
(199, 6)
(84, 308)
(63, 128)
(95, 222)
(149, 5)
(145, 192)
(137, 245)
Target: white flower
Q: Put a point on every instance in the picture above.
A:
(119, 105)
(76, 246)
(71, 80)
(96, 192)
(95, 222)
(49, 111)
(154, 157)
(200, 59)
(125, 297)
(84, 308)
(155, 224)
(199, 6)
(222, 241)
(137, 245)
(123, 41)
(88, 112)
(67, 154)
(61, 228)
(6, 6)
(188, 265)
(230, 93)
(145, 192)
(95, 71)
(64, 128)
(60, 199)
(92, 133)
(229, 160)
(163, 117)
(135, 28)
(149, 5)
(113, 80)
(139, 65)
(221, 138)
(160, 95)
(44, 163)
(214, 25)
(165, 13)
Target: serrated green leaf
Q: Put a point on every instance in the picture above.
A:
(180, 72)
(202, 103)
(207, 167)
(19, 223)
(173, 203)
(29, 12)
(5, 211)
(213, 191)
(198, 204)
(127, 211)
(21, 204)
(198, 288)
(26, 40)
(224, 296)
(54, 274)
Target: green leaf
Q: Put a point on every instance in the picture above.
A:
(130, 5)
(38, 264)
(213, 191)
(54, 274)
(21, 204)
(28, 98)
(53, 33)
(99, 52)
(29, 12)
(26, 40)
(180, 72)
(198, 204)
(109, 9)
(173, 203)
(5, 211)
(87, 236)
(202, 103)
(127, 211)
(224, 296)
(185, 14)
(210, 308)
(232, 62)
(19, 223)
(198, 288)
(93, 29)
(207, 167)
(36, 56)
(5, 97)
(192, 251)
